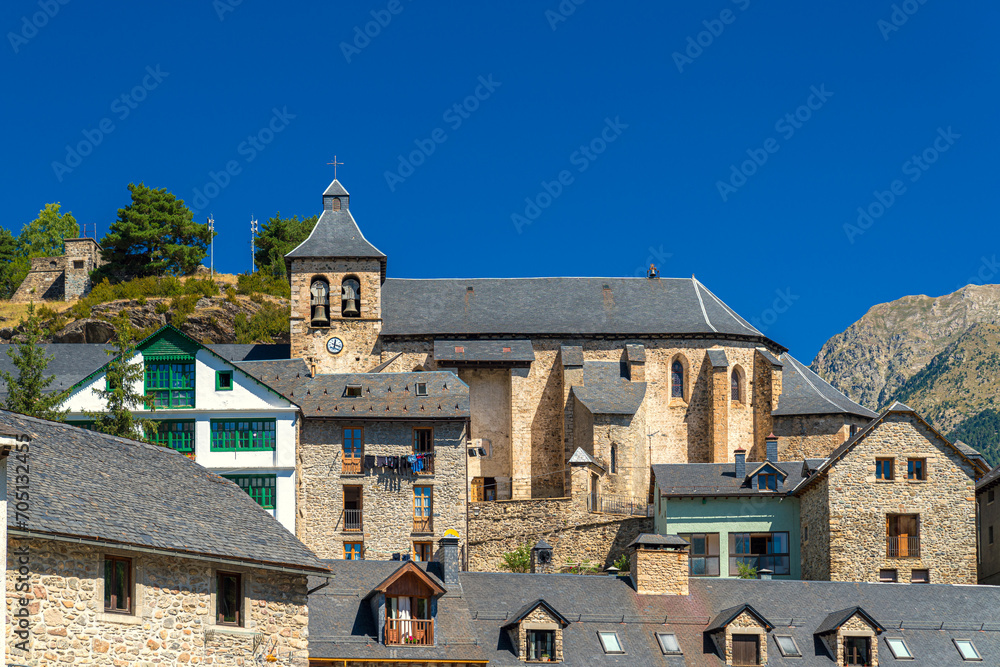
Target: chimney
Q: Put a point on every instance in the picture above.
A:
(541, 558)
(765, 573)
(659, 565)
(771, 443)
(740, 456)
(447, 555)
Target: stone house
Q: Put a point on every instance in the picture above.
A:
(894, 503)
(125, 553)
(653, 615)
(63, 278)
(988, 528)
(217, 412)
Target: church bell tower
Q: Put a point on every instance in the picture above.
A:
(336, 278)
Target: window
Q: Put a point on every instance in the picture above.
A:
(354, 550)
(920, 576)
(484, 489)
(259, 487)
(352, 391)
(967, 649)
(734, 385)
(171, 383)
(354, 447)
(746, 649)
(335, 204)
(668, 643)
(902, 533)
(423, 441)
(117, 585)
(422, 504)
(916, 469)
(767, 482)
(232, 436)
(350, 297)
(888, 576)
(541, 645)
(178, 435)
(409, 621)
(420, 388)
(352, 509)
(423, 552)
(223, 381)
(883, 469)
(228, 598)
(900, 651)
(989, 496)
(77, 263)
(677, 379)
(805, 533)
(857, 650)
(787, 646)
(614, 459)
(610, 643)
(760, 550)
(704, 556)
(991, 534)
(319, 302)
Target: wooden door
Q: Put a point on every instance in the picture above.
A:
(746, 648)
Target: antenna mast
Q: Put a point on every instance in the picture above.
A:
(211, 244)
(253, 248)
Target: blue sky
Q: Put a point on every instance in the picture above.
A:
(731, 139)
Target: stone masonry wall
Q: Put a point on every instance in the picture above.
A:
(574, 533)
(859, 503)
(746, 624)
(814, 517)
(174, 619)
(813, 436)
(541, 619)
(387, 496)
(660, 571)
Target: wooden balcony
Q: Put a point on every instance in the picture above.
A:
(352, 466)
(352, 521)
(422, 525)
(903, 546)
(415, 632)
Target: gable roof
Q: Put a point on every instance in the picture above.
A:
(409, 567)
(70, 363)
(896, 408)
(507, 352)
(768, 464)
(559, 306)
(107, 490)
(727, 616)
(805, 393)
(835, 619)
(606, 391)
(719, 479)
(530, 607)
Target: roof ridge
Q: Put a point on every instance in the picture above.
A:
(701, 303)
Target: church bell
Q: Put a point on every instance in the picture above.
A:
(351, 308)
(319, 317)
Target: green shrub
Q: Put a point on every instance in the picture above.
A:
(263, 282)
(139, 290)
(745, 571)
(518, 560)
(623, 564)
(162, 306)
(231, 294)
(182, 307)
(263, 326)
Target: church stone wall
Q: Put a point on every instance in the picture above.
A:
(812, 436)
(490, 406)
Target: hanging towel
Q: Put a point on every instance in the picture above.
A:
(369, 462)
(380, 461)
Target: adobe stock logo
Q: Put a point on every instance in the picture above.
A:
(37, 21)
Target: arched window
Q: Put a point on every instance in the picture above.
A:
(350, 297)
(677, 379)
(614, 458)
(335, 204)
(319, 299)
(736, 384)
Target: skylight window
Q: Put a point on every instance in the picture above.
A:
(420, 388)
(967, 650)
(668, 643)
(352, 391)
(610, 643)
(899, 649)
(787, 646)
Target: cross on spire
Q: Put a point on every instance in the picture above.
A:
(335, 163)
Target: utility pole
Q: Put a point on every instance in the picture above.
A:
(253, 247)
(211, 244)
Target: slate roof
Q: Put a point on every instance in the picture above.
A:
(653, 540)
(559, 306)
(335, 189)
(719, 479)
(727, 616)
(98, 487)
(446, 352)
(281, 375)
(253, 352)
(805, 393)
(835, 619)
(341, 625)
(718, 358)
(989, 480)
(383, 395)
(606, 391)
(71, 363)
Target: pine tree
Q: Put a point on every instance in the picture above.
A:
(26, 393)
(120, 398)
(278, 237)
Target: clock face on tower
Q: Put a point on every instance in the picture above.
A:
(334, 345)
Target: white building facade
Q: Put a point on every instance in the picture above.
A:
(210, 410)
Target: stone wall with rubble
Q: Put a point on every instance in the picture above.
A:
(174, 611)
(660, 571)
(387, 495)
(859, 503)
(62, 278)
(813, 436)
(575, 534)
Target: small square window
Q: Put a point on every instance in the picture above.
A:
(989, 496)
(77, 263)
(888, 576)
(354, 550)
(916, 469)
(224, 381)
(668, 643)
(920, 576)
(228, 598)
(352, 391)
(967, 650)
(420, 388)
(883, 469)
(787, 646)
(900, 651)
(610, 643)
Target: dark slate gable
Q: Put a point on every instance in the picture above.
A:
(719, 479)
(252, 352)
(805, 393)
(606, 391)
(97, 487)
(488, 351)
(71, 363)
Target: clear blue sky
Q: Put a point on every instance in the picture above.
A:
(677, 124)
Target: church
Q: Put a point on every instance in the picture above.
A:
(574, 400)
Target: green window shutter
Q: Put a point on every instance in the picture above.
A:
(223, 380)
(172, 384)
(260, 487)
(175, 434)
(243, 436)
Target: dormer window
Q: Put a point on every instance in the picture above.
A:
(536, 631)
(420, 388)
(352, 391)
(767, 482)
(409, 606)
(541, 645)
